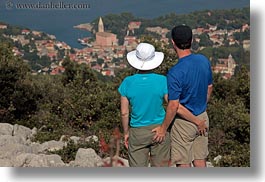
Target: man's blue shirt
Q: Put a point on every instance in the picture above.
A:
(145, 93)
(188, 82)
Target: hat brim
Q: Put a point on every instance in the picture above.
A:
(145, 65)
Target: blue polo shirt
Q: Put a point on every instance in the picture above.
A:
(188, 82)
(145, 93)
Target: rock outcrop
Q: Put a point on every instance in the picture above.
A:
(18, 150)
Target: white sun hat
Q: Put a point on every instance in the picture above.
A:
(145, 57)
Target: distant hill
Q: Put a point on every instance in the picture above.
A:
(224, 19)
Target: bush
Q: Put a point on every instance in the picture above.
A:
(19, 96)
(68, 152)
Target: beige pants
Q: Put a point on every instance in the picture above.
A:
(186, 143)
(142, 149)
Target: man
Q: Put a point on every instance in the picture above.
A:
(189, 84)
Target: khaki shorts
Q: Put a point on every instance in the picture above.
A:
(186, 143)
(142, 150)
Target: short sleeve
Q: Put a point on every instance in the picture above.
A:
(210, 79)
(174, 84)
(122, 88)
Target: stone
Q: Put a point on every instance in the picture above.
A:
(92, 138)
(75, 139)
(5, 163)
(11, 150)
(34, 132)
(8, 139)
(6, 129)
(86, 158)
(217, 159)
(52, 146)
(209, 164)
(45, 161)
(63, 138)
(36, 148)
(23, 159)
(22, 131)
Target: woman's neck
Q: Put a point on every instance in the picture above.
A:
(144, 71)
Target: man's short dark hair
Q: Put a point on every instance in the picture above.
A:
(182, 36)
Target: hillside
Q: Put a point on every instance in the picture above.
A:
(80, 102)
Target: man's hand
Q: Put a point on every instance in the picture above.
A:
(202, 127)
(126, 140)
(160, 134)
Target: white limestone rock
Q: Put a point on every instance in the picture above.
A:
(52, 146)
(6, 129)
(86, 158)
(22, 131)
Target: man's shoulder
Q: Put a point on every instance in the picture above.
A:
(178, 70)
(177, 67)
(201, 56)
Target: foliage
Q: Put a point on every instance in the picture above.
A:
(77, 102)
(19, 96)
(229, 114)
(68, 153)
(237, 17)
(241, 57)
(205, 40)
(224, 19)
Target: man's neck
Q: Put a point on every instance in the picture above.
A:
(183, 53)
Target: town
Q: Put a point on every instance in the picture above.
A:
(104, 54)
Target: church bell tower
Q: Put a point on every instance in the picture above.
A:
(100, 25)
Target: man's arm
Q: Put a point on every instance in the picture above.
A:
(170, 115)
(186, 114)
(209, 92)
(125, 119)
(166, 98)
(173, 108)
